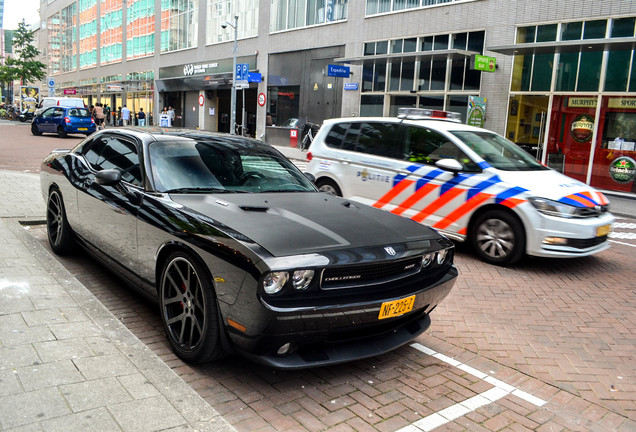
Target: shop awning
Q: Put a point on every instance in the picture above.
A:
(607, 44)
(411, 56)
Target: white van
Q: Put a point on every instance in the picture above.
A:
(471, 184)
(61, 101)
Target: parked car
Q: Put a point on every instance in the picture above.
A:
(50, 101)
(241, 251)
(63, 121)
(469, 183)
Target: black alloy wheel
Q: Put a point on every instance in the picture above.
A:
(61, 132)
(329, 186)
(188, 309)
(498, 238)
(57, 227)
(34, 130)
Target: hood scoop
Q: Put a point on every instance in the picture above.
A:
(256, 209)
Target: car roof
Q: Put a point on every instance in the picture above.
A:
(442, 125)
(155, 133)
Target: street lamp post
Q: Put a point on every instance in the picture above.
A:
(234, 50)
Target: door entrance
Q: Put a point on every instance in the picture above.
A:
(571, 129)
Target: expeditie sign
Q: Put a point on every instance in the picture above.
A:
(484, 63)
(582, 128)
(338, 71)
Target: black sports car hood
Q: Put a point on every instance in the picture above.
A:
(303, 222)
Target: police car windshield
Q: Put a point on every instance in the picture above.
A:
(498, 151)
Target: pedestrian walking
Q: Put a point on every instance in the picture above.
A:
(171, 114)
(141, 117)
(125, 115)
(98, 112)
(107, 113)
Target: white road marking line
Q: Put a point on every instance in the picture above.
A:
(621, 243)
(624, 225)
(500, 390)
(622, 235)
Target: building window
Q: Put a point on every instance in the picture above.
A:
(111, 31)
(179, 29)
(54, 49)
(375, 7)
(221, 10)
(68, 38)
(428, 74)
(140, 28)
(87, 33)
(289, 14)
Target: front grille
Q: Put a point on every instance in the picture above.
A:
(589, 212)
(586, 243)
(367, 274)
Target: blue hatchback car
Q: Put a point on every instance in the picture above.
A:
(63, 121)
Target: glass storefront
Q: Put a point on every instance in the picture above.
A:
(580, 116)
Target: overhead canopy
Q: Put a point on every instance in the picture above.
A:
(605, 44)
(420, 55)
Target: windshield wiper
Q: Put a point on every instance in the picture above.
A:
(197, 190)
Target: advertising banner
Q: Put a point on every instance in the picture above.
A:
(29, 98)
(476, 111)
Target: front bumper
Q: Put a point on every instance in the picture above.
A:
(329, 335)
(580, 237)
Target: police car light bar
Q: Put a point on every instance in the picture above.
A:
(425, 113)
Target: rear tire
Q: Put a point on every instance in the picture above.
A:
(328, 186)
(189, 310)
(58, 229)
(61, 132)
(34, 130)
(498, 238)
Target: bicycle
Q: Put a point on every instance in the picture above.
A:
(309, 132)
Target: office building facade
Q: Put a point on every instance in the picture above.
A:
(560, 77)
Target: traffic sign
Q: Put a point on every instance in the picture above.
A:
(242, 71)
(51, 82)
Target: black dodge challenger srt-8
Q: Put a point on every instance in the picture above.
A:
(241, 250)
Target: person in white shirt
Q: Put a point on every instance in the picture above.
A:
(125, 115)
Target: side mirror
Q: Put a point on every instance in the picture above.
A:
(108, 177)
(310, 177)
(449, 165)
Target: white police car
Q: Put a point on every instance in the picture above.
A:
(469, 183)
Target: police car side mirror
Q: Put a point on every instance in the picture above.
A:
(449, 165)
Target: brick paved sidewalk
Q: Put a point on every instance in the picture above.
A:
(66, 363)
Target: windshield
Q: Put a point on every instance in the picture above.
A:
(498, 151)
(223, 165)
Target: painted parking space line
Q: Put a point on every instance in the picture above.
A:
(500, 389)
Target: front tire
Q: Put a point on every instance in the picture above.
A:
(189, 310)
(498, 238)
(57, 227)
(34, 130)
(329, 186)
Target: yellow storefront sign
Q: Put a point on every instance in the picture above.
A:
(622, 102)
(582, 102)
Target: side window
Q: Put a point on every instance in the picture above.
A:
(427, 147)
(48, 113)
(336, 135)
(58, 112)
(381, 139)
(112, 152)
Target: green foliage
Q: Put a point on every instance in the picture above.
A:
(24, 66)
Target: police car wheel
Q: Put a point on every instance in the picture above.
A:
(326, 185)
(498, 238)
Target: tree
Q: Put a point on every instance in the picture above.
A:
(23, 66)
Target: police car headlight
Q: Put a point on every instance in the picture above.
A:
(553, 208)
(275, 281)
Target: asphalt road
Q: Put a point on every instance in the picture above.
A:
(547, 345)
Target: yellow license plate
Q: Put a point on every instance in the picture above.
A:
(603, 230)
(396, 307)
(82, 128)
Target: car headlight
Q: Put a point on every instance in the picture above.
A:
(428, 259)
(302, 278)
(275, 281)
(441, 256)
(553, 208)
